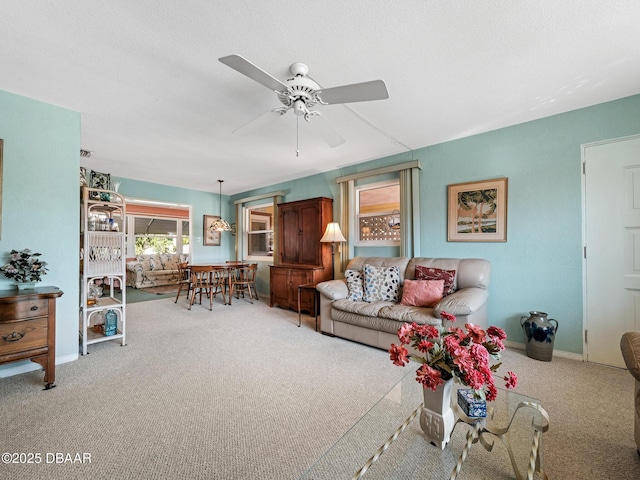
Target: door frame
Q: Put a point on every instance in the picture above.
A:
(583, 161)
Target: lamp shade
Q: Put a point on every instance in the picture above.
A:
(333, 233)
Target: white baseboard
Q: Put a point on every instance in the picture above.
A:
(559, 353)
(29, 366)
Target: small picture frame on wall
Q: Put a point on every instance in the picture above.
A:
(211, 237)
(478, 211)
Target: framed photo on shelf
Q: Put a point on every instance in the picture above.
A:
(210, 236)
(478, 211)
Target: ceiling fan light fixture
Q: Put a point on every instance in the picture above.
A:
(299, 108)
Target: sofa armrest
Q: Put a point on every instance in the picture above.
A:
(465, 301)
(135, 266)
(333, 289)
(630, 346)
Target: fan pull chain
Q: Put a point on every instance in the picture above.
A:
(297, 136)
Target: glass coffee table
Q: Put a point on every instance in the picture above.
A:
(387, 442)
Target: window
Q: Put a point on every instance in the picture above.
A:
(258, 231)
(378, 214)
(159, 235)
(157, 227)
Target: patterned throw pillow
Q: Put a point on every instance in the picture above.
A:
(155, 263)
(381, 284)
(354, 284)
(422, 293)
(428, 273)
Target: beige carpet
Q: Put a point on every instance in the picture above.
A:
(241, 392)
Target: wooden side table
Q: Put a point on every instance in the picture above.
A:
(309, 287)
(28, 328)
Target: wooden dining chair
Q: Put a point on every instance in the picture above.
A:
(220, 283)
(184, 280)
(202, 281)
(244, 280)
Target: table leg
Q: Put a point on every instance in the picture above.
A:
(299, 313)
(316, 305)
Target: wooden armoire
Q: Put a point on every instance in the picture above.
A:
(301, 258)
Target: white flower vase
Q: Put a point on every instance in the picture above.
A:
(437, 419)
(26, 285)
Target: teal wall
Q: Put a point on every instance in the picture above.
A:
(40, 203)
(540, 265)
(202, 203)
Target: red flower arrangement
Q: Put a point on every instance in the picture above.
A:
(453, 353)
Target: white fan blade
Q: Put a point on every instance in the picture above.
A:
(326, 130)
(245, 67)
(356, 92)
(256, 123)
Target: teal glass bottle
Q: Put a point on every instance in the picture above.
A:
(110, 323)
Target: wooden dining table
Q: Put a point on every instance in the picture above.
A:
(230, 267)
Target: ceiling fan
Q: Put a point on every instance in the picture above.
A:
(300, 93)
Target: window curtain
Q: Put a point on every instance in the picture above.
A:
(410, 212)
(347, 222)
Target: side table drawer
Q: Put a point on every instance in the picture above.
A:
(23, 335)
(38, 307)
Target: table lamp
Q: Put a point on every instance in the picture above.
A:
(333, 234)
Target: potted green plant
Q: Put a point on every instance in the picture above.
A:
(25, 268)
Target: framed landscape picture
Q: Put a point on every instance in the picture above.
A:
(210, 236)
(478, 211)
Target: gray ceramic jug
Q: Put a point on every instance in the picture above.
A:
(539, 335)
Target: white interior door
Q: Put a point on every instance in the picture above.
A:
(612, 231)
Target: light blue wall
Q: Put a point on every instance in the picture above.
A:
(203, 203)
(540, 265)
(40, 202)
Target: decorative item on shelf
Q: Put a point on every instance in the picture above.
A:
(220, 224)
(394, 220)
(94, 293)
(110, 323)
(451, 353)
(100, 181)
(539, 335)
(334, 235)
(25, 268)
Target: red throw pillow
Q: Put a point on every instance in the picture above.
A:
(422, 293)
(428, 273)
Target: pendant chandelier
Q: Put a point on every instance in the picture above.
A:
(221, 225)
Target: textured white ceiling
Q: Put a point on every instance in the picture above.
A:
(158, 106)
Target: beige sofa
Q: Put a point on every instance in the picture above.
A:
(154, 270)
(377, 323)
(630, 346)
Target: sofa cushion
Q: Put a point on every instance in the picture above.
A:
(383, 316)
(355, 284)
(381, 283)
(405, 313)
(422, 293)
(428, 273)
(360, 308)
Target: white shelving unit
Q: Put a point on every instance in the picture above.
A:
(102, 261)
